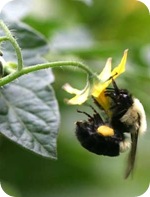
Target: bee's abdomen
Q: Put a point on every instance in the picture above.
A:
(94, 142)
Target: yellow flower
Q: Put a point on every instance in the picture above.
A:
(97, 86)
(81, 95)
(105, 78)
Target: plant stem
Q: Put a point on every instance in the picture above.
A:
(25, 70)
(14, 44)
(37, 67)
(4, 38)
(58, 64)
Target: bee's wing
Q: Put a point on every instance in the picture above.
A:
(132, 154)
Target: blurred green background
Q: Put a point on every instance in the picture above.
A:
(87, 31)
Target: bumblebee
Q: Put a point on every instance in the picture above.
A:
(119, 131)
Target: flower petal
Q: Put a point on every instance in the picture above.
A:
(106, 72)
(121, 67)
(81, 95)
(79, 99)
(68, 88)
(103, 77)
(99, 88)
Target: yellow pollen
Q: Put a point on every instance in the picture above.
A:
(105, 131)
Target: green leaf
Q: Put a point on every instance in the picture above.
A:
(33, 44)
(29, 113)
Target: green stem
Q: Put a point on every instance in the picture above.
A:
(14, 44)
(25, 70)
(34, 68)
(58, 64)
(4, 38)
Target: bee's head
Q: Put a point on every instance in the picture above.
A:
(122, 100)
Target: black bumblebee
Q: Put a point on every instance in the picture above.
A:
(119, 131)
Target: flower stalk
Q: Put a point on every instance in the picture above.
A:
(27, 70)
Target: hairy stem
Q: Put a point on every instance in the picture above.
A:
(13, 42)
(37, 67)
(25, 70)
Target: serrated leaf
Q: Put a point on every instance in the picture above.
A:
(29, 114)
